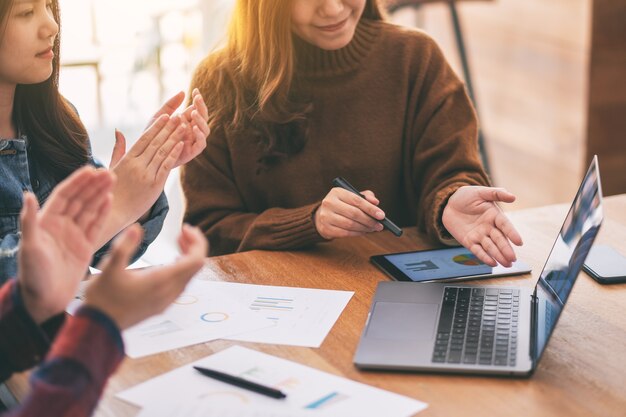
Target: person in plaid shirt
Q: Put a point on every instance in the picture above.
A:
(79, 353)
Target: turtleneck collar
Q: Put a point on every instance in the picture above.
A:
(312, 61)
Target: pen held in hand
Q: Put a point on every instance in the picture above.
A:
(241, 383)
(388, 224)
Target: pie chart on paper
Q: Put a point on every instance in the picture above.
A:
(467, 259)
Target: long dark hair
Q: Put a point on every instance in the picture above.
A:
(248, 84)
(57, 138)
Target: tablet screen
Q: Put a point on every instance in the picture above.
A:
(441, 264)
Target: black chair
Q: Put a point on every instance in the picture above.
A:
(395, 5)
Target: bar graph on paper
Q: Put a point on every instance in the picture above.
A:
(198, 315)
(327, 401)
(291, 383)
(272, 304)
(290, 315)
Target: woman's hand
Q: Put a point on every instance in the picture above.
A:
(473, 217)
(131, 296)
(344, 214)
(167, 143)
(143, 170)
(59, 240)
(196, 117)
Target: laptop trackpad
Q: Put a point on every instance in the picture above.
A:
(403, 321)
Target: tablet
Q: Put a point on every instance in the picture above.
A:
(441, 264)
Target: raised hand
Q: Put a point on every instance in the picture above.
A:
(131, 296)
(473, 217)
(142, 171)
(196, 116)
(344, 214)
(58, 241)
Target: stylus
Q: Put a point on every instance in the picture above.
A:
(241, 383)
(388, 224)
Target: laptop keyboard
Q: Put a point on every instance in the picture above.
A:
(478, 326)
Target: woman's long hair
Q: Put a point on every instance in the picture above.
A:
(57, 138)
(249, 82)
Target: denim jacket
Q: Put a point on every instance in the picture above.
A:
(19, 174)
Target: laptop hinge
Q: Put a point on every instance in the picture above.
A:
(534, 307)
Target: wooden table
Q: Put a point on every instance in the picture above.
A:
(582, 372)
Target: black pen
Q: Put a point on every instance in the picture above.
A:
(241, 383)
(388, 224)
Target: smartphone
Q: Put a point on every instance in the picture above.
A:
(605, 265)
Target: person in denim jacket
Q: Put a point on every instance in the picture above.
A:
(42, 139)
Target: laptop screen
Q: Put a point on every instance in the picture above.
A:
(567, 256)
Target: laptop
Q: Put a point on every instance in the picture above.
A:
(480, 329)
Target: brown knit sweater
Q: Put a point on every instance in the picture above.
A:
(388, 114)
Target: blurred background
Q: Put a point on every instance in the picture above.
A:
(548, 77)
(122, 59)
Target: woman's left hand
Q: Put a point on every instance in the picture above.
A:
(196, 116)
(473, 217)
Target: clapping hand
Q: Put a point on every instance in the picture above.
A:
(473, 217)
(131, 296)
(59, 240)
(196, 116)
(167, 143)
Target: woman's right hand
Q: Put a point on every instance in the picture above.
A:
(143, 171)
(131, 296)
(344, 214)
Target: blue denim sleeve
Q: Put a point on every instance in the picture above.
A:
(151, 227)
(8, 256)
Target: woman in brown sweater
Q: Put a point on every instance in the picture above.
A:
(308, 90)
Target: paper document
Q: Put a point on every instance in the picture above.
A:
(306, 388)
(203, 312)
(296, 316)
(206, 408)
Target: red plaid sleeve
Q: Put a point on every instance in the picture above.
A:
(70, 381)
(23, 343)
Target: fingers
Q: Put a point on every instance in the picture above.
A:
(171, 105)
(494, 251)
(200, 105)
(344, 214)
(334, 232)
(158, 148)
(28, 216)
(200, 132)
(93, 229)
(494, 243)
(82, 204)
(146, 139)
(504, 247)
(482, 255)
(119, 149)
(192, 242)
(175, 277)
(359, 209)
(369, 195)
(168, 163)
(123, 248)
(200, 123)
(507, 228)
(169, 281)
(68, 189)
(92, 206)
(496, 194)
